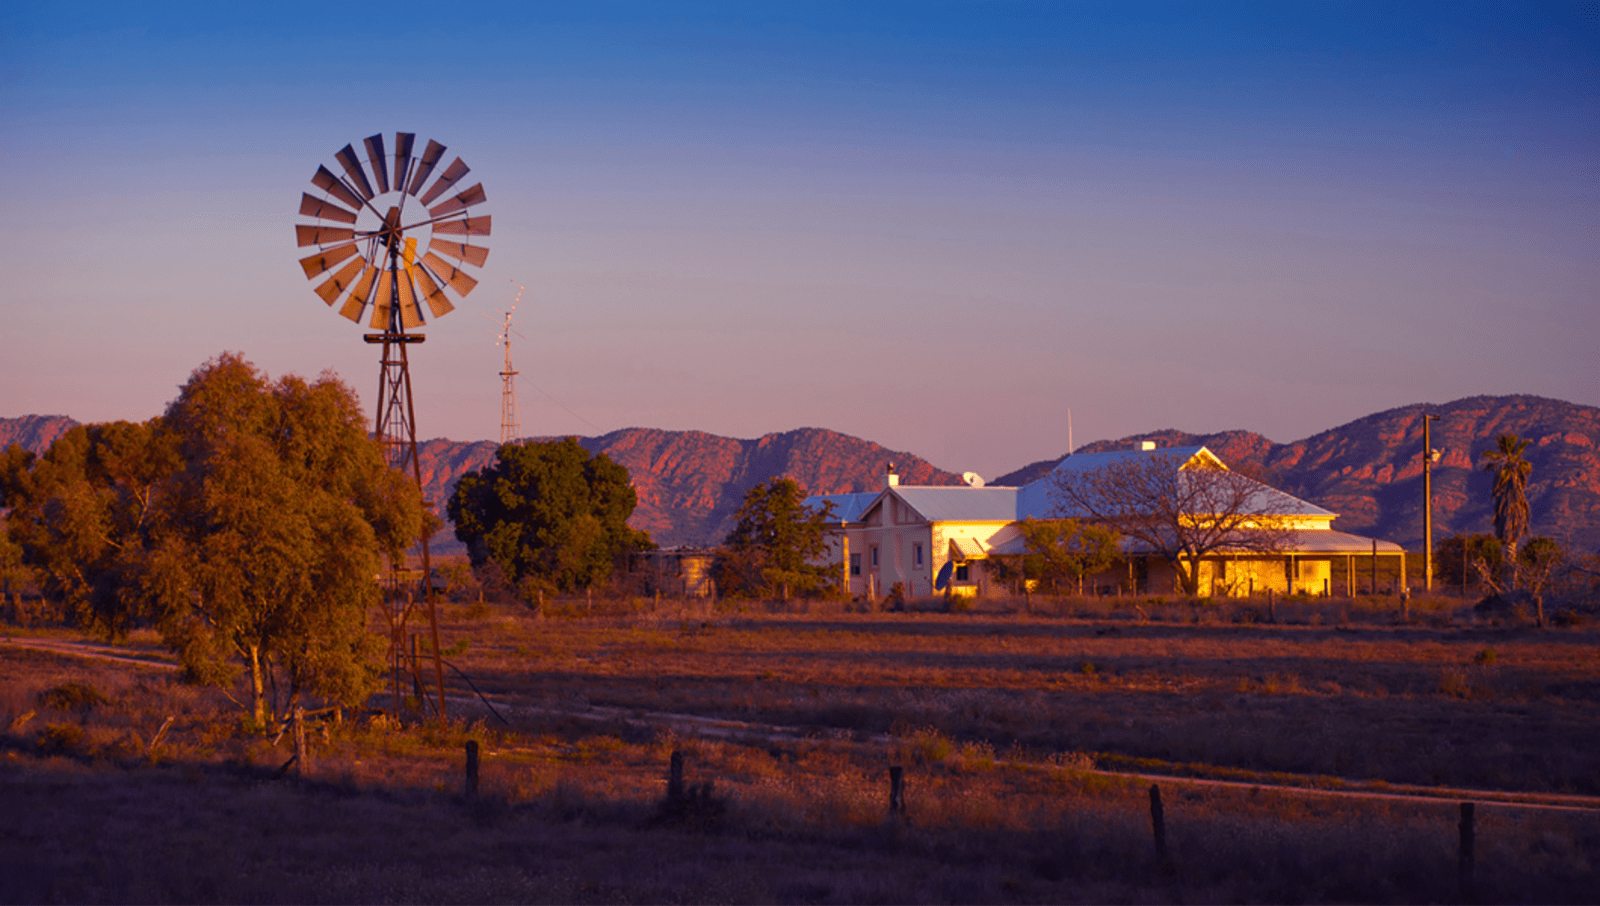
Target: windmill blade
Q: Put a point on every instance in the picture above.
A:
(334, 286)
(327, 182)
(402, 158)
(379, 161)
(354, 305)
(461, 202)
(322, 235)
(322, 209)
(352, 168)
(382, 301)
(410, 315)
(430, 159)
(466, 226)
(438, 303)
(321, 261)
(471, 254)
(450, 177)
(450, 274)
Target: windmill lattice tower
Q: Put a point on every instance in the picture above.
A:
(509, 429)
(373, 258)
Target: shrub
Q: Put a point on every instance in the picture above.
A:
(72, 696)
(60, 739)
(1485, 657)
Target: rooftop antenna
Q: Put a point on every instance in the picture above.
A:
(509, 429)
(1069, 430)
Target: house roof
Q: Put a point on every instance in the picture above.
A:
(1180, 456)
(961, 504)
(846, 507)
(998, 504)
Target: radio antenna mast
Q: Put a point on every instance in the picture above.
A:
(509, 429)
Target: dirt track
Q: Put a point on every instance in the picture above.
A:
(718, 728)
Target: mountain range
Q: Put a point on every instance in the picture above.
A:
(1369, 471)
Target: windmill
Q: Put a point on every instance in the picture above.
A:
(369, 253)
(509, 429)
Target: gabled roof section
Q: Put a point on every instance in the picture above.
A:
(1184, 457)
(960, 504)
(846, 507)
(997, 504)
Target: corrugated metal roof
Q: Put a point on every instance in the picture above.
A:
(997, 504)
(967, 549)
(961, 504)
(846, 507)
(1083, 462)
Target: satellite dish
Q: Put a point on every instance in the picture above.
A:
(943, 579)
(973, 479)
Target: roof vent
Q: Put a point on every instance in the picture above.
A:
(973, 479)
(890, 479)
(1147, 445)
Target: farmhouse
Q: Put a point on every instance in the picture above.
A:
(932, 539)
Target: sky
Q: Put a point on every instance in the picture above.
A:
(937, 226)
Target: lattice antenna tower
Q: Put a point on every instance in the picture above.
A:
(509, 429)
(369, 250)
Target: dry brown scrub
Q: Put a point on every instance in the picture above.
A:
(989, 712)
(1468, 705)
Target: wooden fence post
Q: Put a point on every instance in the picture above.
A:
(675, 777)
(897, 791)
(1466, 858)
(302, 759)
(472, 769)
(1158, 822)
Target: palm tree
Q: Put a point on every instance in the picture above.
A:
(1510, 492)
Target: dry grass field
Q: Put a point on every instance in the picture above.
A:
(1011, 727)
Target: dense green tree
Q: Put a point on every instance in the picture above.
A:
(1510, 493)
(548, 512)
(777, 544)
(1065, 549)
(248, 523)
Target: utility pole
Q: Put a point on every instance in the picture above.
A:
(1430, 457)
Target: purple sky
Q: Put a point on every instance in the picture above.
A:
(935, 226)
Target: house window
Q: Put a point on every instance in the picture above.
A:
(855, 564)
(917, 549)
(874, 556)
(961, 573)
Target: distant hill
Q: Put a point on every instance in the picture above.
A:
(34, 432)
(1370, 470)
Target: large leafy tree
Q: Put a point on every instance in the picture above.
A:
(1510, 492)
(777, 543)
(248, 523)
(1179, 511)
(1065, 549)
(549, 512)
(84, 514)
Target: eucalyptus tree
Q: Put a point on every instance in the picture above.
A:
(247, 524)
